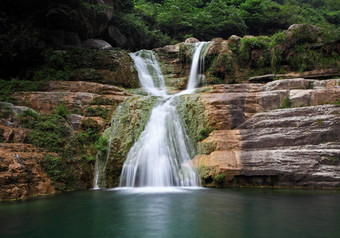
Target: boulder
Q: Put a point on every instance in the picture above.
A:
(74, 121)
(172, 48)
(191, 40)
(235, 38)
(97, 44)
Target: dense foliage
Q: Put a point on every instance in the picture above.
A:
(153, 23)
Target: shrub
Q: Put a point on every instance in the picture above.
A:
(101, 145)
(62, 109)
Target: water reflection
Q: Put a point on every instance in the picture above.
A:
(183, 213)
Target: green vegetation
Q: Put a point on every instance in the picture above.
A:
(51, 132)
(319, 122)
(28, 118)
(62, 110)
(170, 21)
(97, 112)
(71, 165)
(7, 88)
(5, 111)
(219, 179)
(286, 103)
(210, 178)
(334, 160)
(204, 133)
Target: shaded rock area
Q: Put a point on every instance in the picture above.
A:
(254, 144)
(113, 67)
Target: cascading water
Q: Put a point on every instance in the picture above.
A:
(149, 72)
(197, 65)
(161, 156)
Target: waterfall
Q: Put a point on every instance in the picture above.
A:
(197, 65)
(161, 155)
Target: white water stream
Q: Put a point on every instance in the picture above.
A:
(161, 155)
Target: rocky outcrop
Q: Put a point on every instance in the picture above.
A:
(78, 96)
(253, 143)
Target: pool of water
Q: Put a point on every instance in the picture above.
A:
(176, 213)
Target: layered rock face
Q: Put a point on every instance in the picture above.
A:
(253, 143)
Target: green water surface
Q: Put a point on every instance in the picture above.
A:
(181, 213)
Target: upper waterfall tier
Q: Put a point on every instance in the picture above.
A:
(149, 72)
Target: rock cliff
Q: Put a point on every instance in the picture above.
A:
(256, 140)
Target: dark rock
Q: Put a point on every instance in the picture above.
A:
(115, 36)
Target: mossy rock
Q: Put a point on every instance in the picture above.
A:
(192, 112)
(129, 122)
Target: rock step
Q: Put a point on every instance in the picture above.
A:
(46, 102)
(88, 87)
(20, 147)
